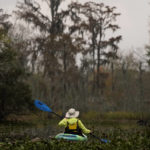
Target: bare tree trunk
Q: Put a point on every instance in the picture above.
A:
(2, 106)
(93, 57)
(112, 74)
(99, 60)
(124, 71)
(141, 89)
(64, 79)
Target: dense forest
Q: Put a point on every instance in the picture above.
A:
(68, 58)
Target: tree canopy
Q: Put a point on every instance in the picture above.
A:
(15, 94)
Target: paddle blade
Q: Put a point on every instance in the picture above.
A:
(105, 141)
(40, 105)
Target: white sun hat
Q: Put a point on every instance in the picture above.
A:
(72, 113)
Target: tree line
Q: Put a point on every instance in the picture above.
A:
(39, 55)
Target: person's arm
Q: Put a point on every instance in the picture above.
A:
(83, 128)
(63, 122)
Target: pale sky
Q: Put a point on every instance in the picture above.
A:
(134, 20)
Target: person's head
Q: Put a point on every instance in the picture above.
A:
(72, 113)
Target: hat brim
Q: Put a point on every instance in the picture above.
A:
(75, 115)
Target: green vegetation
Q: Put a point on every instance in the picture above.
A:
(120, 140)
(123, 133)
(15, 93)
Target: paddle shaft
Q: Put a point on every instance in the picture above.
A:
(95, 136)
(57, 115)
(99, 138)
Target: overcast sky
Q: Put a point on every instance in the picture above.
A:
(134, 20)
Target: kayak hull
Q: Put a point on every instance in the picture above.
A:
(71, 137)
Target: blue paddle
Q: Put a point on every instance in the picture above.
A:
(42, 106)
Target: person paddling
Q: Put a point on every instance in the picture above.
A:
(72, 124)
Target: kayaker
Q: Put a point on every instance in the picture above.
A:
(72, 124)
